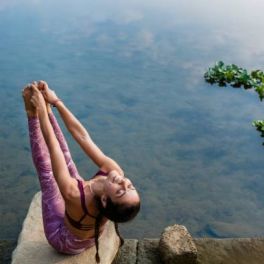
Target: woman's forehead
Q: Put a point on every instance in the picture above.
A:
(130, 196)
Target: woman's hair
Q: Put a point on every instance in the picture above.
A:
(118, 213)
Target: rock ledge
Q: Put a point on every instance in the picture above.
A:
(32, 246)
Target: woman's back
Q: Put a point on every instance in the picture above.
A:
(81, 211)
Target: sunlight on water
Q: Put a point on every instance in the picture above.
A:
(132, 72)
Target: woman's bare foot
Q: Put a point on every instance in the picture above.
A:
(41, 85)
(30, 109)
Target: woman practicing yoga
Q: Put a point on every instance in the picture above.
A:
(74, 210)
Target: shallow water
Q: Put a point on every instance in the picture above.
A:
(132, 72)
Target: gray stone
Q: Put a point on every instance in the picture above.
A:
(230, 251)
(128, 252)
(33, 247)
(148, 252)
(176, 246)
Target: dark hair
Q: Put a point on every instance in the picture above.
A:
(118, 213)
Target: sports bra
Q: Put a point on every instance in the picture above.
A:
(78, 224)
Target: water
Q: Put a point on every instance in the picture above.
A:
(132, 72)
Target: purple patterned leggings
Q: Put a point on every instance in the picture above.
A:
(53, 205)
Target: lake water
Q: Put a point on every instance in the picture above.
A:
(132, 72)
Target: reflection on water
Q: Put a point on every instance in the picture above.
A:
(132, 72)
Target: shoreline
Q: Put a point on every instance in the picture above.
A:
(210, 250)
(175, 243)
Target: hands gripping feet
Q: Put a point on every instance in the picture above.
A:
(27, 93)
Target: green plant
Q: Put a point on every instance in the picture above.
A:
(238, 77)
(259, 125)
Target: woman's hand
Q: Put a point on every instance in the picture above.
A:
(49, 95)
(37, 99)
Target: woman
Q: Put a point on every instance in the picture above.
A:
(74, 210)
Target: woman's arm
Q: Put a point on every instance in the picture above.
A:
(59, 167)
(79, 133)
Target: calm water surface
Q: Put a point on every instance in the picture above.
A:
(132, 72)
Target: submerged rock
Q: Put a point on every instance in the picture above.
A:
(6, 248)
(32, 246)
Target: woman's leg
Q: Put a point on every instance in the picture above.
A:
(64, 147)
(53, 205)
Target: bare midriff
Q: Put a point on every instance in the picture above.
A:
(81, 233)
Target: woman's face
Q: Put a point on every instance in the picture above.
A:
(120, 189)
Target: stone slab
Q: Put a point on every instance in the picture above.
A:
(128, 252)
(32, 246)
(148, 251)
(230, 251)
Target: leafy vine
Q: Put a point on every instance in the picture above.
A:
(238, 77)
